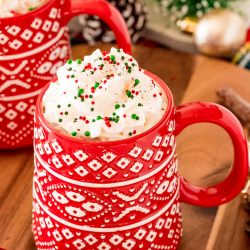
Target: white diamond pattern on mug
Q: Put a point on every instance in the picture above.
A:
(116, 239)
(135, 152)
(95, 165)
(2, 108)
(104, 246)
(123, 163)
(21, 106)
(108, 157)
(80, 155)
(81, 171)
(11, 114)
(90, 239)
(3, 39)
(13, 30)
(27, 34)
(12, 125)
(109, 173)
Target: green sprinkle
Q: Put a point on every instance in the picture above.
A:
(123, 105)
(90, 96)
(73, 133)
(118, 50)
(110, 118)
(66, 113)
(134, 116)
(100, 58)
(114, 114)
(133, 64)
(92, 109)
(126, 64)
(137, 81)
(98, 117)
(58, 106)
(31, 8)
(123, 57)
(97, 84)
(80, 92)
(75, 97)
(60, 120)
(69, 69)
(140, 105)
(112, 57)
(87, 133)
(83, 70)
(69, 105)
(93, 120)
(117, 106)
(129, 70)
(69, 61)
(79, 61)
(82, 99)
(130, 133)
(128, 93)
(72, 76)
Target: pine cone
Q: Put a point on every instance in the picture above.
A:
(90, 29)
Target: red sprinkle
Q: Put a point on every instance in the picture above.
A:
(154, 95)
(124, 115)
(92, 102)
(88, 66)
(76, 81)
(134, 132)
(133, 91)
(86, 96)
(87, 121)
(92, 90)
(68, 76)
(105, 53)
(137, 92)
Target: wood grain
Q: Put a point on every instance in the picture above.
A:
(205, 154)
(201, 161)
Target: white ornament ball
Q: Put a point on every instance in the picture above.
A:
(220, 33)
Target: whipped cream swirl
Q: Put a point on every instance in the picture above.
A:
(10, 8)
(104, 97)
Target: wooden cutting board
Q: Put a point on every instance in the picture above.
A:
(204, 152)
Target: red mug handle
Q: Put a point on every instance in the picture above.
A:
(105, 11)
(230, 187)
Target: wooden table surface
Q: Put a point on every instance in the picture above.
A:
(204, 151)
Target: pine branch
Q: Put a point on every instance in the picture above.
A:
(179, 9)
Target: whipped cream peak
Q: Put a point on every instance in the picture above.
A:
(10, 8)
(105, 96)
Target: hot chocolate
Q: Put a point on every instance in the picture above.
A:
(104, 97)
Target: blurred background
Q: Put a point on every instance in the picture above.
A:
(217, 28)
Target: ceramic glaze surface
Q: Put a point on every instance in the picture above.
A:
(32, 47)
(123, 194)
(106, 197)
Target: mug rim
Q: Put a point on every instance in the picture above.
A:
(33, 12)
(170, 105)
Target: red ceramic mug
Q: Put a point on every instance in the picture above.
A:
(124, 194)
(32, 47)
